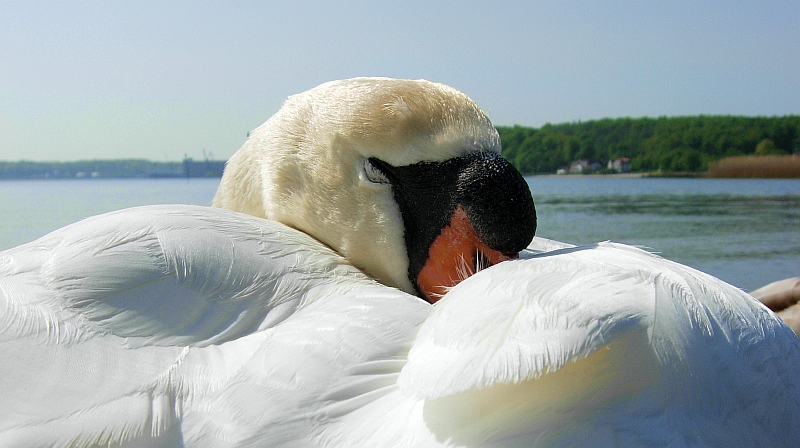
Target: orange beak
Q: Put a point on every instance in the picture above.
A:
(455, 254)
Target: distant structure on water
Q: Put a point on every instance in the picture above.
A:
(205, 168)
(190, 168)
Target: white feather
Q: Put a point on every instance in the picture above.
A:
(602, 345)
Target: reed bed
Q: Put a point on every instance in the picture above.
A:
(773, 166)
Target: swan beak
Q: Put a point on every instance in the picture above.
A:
(454, 255)
(460, 216)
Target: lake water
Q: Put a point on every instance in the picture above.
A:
(744, 231)
(30, 209)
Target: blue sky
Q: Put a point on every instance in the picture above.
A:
(164, 79)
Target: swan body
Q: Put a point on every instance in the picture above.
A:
(309, 324)
(192, 326)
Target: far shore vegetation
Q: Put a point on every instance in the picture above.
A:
(668, 146)
(713, 146)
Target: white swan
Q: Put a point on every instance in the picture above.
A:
(193, 326)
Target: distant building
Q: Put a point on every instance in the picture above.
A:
(621, 165)
(580, 166)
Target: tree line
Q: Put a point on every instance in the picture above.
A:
(667, 144)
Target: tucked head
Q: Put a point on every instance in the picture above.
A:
(403, 178)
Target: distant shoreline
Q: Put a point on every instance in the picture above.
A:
(760, 167)
(111, 169)
(738, 167)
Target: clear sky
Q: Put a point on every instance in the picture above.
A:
(160, 79)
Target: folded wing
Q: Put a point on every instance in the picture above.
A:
(603, 344)
(149, 324)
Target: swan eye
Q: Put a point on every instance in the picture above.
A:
(374, 174)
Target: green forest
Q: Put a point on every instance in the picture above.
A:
(666, 144)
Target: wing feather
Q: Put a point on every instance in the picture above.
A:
(605, 336)
(118, 324)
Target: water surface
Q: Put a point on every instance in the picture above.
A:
(32, 208)
(745, 231)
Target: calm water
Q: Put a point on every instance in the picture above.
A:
(745, 231)
(30, 209)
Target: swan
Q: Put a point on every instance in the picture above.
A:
(287, 316)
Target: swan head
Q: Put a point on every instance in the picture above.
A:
(403, 178)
